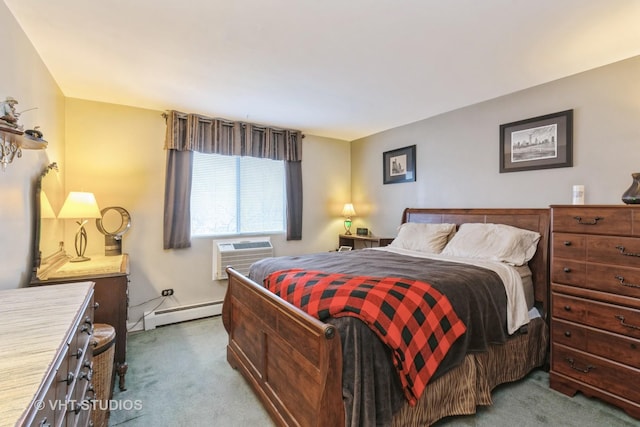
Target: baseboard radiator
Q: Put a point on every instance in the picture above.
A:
(181, 314)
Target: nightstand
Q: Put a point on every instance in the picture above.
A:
(359, 242)
(111, 277)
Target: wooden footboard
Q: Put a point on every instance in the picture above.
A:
(292, 360)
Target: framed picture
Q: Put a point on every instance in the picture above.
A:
(538, 143)
(399, 165)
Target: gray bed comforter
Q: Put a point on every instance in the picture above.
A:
(371, 387)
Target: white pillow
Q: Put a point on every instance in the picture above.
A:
(497, 242)
(422, 237)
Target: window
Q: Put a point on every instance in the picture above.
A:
(236, 195)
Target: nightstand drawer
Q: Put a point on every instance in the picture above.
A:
(593, 220)
(596, 371)
(610, 317)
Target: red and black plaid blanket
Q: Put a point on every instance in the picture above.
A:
(411, 317)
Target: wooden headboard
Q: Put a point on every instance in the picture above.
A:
(529, 219)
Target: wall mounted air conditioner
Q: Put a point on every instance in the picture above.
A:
(239, 254)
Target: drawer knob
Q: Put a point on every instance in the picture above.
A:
(96, 305)
(567, 243)
(622, 252)
(567, 333)
(44, 423)
(77, 408)
(88, 375)
(70, 378)
(566, 270)
(594, 221)
(572, 365)
(627, 325)
(567, 308)
(78, 353)
(630, 285)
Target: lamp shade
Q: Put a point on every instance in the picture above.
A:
(80, 205)
(348, 210)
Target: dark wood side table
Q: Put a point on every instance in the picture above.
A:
(354, 240)
(111, 277)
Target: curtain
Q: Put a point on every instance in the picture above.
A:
(177, 200)
(193, 132)
(293, 174)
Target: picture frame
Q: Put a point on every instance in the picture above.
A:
(399, 165)
(542, 142)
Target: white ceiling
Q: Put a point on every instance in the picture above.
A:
(337, 68)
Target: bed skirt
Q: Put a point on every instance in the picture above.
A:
(473, 381)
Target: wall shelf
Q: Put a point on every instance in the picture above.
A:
(13, 141)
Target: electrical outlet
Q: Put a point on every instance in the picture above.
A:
(167, 292)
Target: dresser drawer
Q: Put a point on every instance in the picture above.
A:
(614, 250)
(569, 334)
(610, 317)
(593, 220)
(616, 378)
(614, 279)
(571, 246)
(606, 344)
(568, 272)
(600, 249)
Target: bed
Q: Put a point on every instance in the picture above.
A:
(294, 362)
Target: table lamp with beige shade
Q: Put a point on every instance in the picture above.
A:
(81, 206)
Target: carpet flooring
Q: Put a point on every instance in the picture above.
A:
(178, 376)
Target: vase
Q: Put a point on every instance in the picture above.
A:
(632, 195)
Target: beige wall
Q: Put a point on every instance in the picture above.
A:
(458, 152)
(24, 76)
(116, 152)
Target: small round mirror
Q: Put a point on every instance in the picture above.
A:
(114, 223)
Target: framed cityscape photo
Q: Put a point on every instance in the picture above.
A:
(542, 142)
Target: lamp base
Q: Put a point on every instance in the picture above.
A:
(79, 259)
(347, 226)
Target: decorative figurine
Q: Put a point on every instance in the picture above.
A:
(8, 114)
(34, 133)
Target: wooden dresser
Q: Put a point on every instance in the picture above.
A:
(45, 355)
(111, 277)
(595, 303)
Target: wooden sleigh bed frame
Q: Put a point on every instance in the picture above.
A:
(294, 361)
